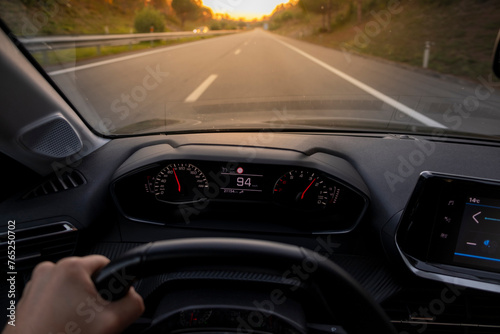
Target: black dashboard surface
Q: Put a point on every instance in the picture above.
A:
(381, 169)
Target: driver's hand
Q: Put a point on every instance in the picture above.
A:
(61, 298)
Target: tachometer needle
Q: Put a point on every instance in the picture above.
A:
(302, 197)
(177, 179)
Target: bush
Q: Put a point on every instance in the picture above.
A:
(282, 17)
(215, 25)
(148, 17)
(274, 25)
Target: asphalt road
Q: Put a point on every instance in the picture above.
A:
(239, 80)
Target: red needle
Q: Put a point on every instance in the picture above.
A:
(302, 197)
(177, 179)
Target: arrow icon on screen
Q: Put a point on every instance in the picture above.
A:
(474, 217)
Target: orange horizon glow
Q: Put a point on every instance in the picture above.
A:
(246, 9)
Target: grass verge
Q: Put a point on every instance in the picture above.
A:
(462, 34)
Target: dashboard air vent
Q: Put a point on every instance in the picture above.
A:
(57, 183)
(44, 243)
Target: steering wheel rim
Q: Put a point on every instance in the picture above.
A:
(114, 280)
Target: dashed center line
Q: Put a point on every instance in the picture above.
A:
(237, 52)
(201, 89)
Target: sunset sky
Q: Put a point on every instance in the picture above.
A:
(249, 9)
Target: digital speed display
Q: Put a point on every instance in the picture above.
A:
(241, 180)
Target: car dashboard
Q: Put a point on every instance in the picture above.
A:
(341, 194)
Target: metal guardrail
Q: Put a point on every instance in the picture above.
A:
(48, 43)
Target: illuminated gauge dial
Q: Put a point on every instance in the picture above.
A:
(303, 190)
(180, 183)
(194, 318)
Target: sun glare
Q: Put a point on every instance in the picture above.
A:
(248, 9)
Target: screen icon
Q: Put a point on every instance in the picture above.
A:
(475, 217)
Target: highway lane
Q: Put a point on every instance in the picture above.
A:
(241, 78)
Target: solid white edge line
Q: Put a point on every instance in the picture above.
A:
(201, 89)
(116, 60)
(390, 101)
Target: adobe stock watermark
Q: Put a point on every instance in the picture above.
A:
(453, 118)
(121, 106)
(89, 308)
(131, 100)
(425, 315)
(226, 6)
(296, 275)
(32, 25)
(372, 29)
(34, 21)
(202, 197)
(247, 150)
(72, 161)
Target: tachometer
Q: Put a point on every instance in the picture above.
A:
(302, 189)
(180, 183)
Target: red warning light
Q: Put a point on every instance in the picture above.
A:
(239, 170)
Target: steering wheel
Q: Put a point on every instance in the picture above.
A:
(342, 296)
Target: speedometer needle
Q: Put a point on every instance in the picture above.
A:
(177, 179)
(302, 197)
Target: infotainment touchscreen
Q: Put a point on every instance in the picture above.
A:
(478, 243)
(453, 221)
(450, 230)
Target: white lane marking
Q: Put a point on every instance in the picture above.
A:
(116, 60)
(390, 101)
(237, 52)
(201, 89)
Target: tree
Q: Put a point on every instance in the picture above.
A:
(206, 14)
(359, 4)
(186, 9)
(323, 7)
(160, 5)
(149, 17)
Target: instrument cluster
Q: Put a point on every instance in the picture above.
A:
(176, 192)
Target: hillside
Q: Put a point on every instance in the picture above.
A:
(461, 32)
(78, 16)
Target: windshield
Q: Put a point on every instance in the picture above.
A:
(133, 67)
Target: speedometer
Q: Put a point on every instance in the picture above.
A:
(180, 183)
